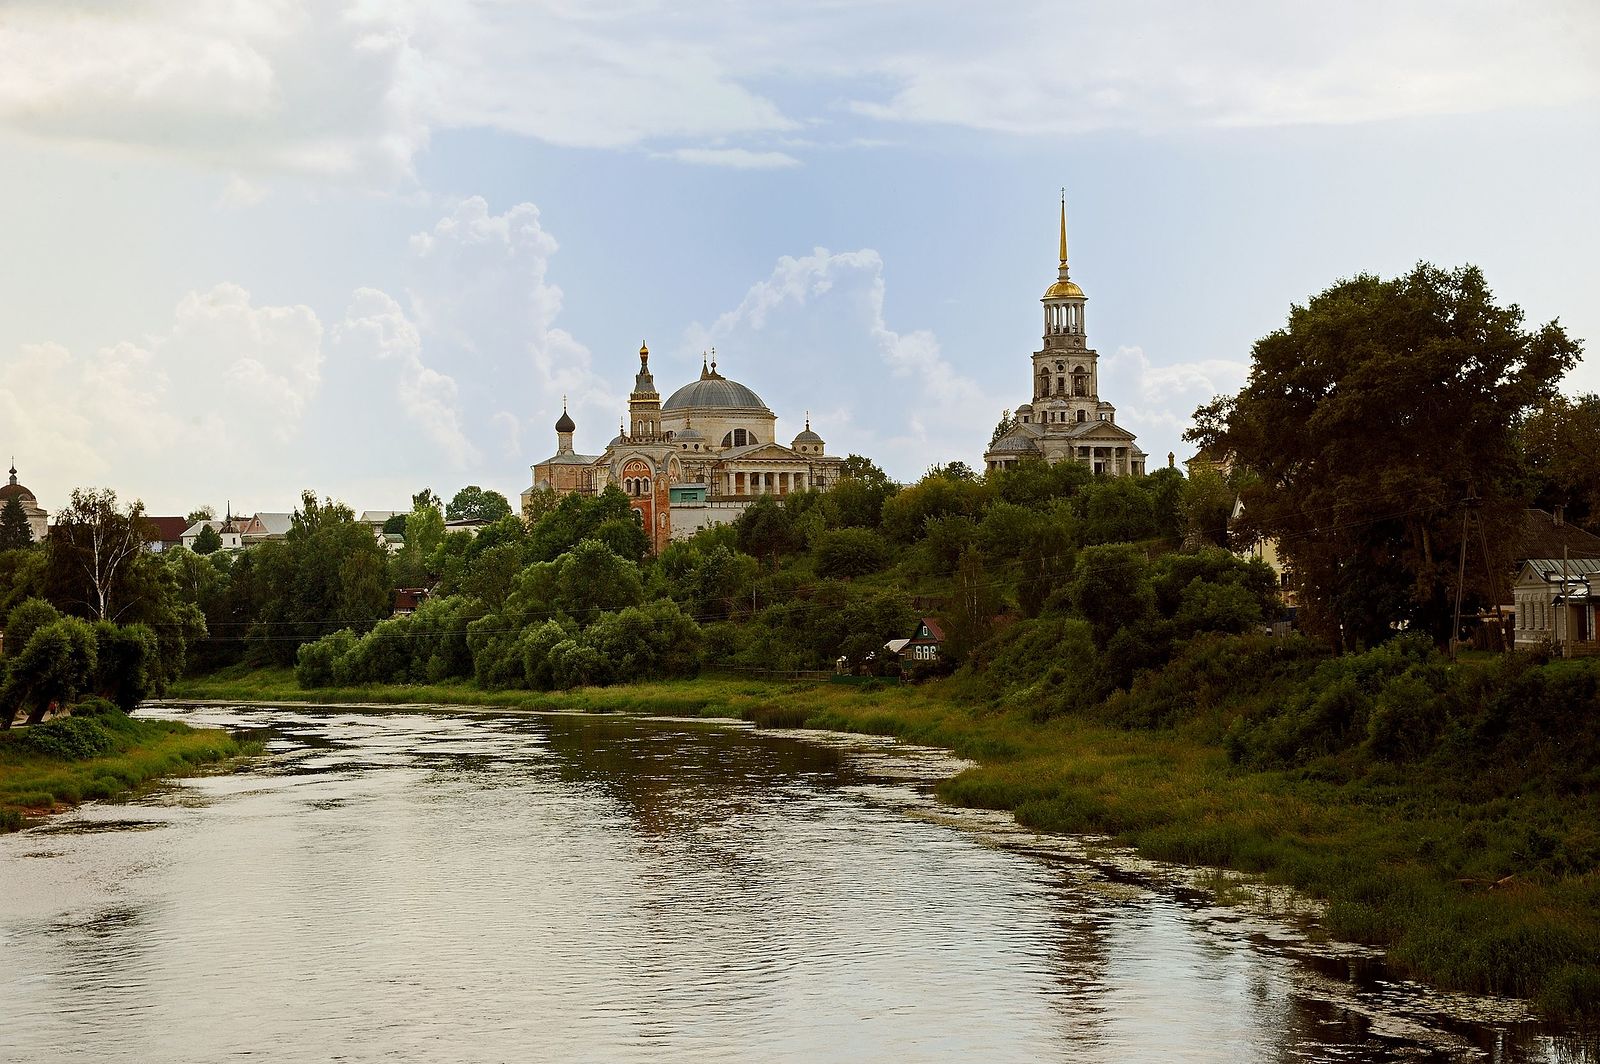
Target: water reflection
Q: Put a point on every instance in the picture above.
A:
(429, 886)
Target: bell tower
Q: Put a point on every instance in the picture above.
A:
(1065, 369)
(644, 405)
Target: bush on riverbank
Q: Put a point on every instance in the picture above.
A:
(97, 752)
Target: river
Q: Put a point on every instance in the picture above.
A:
(459, 886)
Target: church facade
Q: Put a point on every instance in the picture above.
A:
(1066, 420)
(695, 460)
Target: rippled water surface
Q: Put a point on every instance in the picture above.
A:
(489, 887)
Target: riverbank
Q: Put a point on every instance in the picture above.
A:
(1400, 863)
(55, 766)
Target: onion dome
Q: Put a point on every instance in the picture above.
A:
(565, 423)
(13, 489)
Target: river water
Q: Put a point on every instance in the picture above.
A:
(452, 886)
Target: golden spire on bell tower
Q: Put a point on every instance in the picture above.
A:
(1063, 225)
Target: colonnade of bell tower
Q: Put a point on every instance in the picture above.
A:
(1066, 369)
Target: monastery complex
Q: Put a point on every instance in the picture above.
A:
(704, 454)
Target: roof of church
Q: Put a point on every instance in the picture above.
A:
(1016, 442)
(13, 488)
(714, 393)
(571, 458)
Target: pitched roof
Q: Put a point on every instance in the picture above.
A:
(275, 524)
(167, 529)
(1541, 537)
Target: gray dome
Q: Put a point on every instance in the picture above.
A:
(1019, 444)
(808, 437)
(688, 432)
(713, 393)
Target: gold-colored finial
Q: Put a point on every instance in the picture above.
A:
(644, 352)
(1063, 225)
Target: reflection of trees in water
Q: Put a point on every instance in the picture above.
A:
(715, 919)
(676, 779)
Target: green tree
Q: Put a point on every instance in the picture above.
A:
(15, 532)
(1111, 589)
(201, 513)
(1206, 508)
(92, 552)
(473, 503)
(846, 552)
(1003, 426)
(1561, 448)
(209, 541)
(327, 573)
(55, 667)
(766, 529)
(1366, 422)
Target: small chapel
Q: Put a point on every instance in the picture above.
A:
(1066, 420)
(695, 460)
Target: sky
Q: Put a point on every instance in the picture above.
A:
(251, 247)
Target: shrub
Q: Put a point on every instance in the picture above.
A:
(69, 738)
(847, 552)
(315, 662)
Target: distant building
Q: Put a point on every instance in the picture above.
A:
(1066, 420)
(924, 644)
(38, 520)
(165, 532)
(713, 434)
(1555, 603)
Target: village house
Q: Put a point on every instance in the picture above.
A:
(1556, 586)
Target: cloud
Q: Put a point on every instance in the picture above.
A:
(375, 327)
(1158, 402)
(274, 86)
(481, 295)
(813, 335)
(215, 396)
(348, 90)
(737, 158)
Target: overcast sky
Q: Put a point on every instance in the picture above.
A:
(254, 246)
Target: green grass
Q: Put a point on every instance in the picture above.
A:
(1402, 860)
(34, 784)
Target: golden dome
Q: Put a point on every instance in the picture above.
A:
(1063, 290)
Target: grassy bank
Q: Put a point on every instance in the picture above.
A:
(1402, 862)
(57, 765)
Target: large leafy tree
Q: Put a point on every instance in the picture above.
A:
(328, 573)
(1366, 423)
(93, 552)
(1561, 446)
(473, 503)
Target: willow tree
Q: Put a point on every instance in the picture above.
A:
(1367, 423)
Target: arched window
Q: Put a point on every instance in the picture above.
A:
(1083, 415)
(727, 440)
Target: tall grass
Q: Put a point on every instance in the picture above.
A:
(33, 783)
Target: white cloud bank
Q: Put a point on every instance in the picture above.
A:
(438, 385)
(350, 90)
(813, 335)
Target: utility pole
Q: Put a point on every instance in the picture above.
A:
(1566, 608)
(1461, 569)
